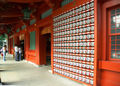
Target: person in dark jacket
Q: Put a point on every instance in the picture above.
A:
(20, 53)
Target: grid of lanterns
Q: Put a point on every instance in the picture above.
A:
(73, 43)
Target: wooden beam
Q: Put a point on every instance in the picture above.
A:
(40, 10)
(23, 1)
(3, 31)
(11, 15)
(49, 3)
(9, 21)
(43, 10)
(57, 4)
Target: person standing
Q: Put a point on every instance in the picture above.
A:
(1, 53)
(16, 52)
(4, 52)
(20, 53)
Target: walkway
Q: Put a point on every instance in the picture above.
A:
(25, 74)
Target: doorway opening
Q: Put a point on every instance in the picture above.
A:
(22, 48)
(21, 44)
(45, 49)
(48, 49)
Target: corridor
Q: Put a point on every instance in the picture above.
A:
(60, 42)
(25, 74)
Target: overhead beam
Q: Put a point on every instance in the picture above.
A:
(23, 1)
(11, 15)
(57, 4)
(40, 10)
(49, 3)
(9, 21)
(3, 31)
(43, 10)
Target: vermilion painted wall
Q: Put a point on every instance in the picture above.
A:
(32, 55)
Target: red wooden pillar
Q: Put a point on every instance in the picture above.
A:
(15, 40)
(37, 46)
(9, 41)
(26, 44)
(11, 45)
